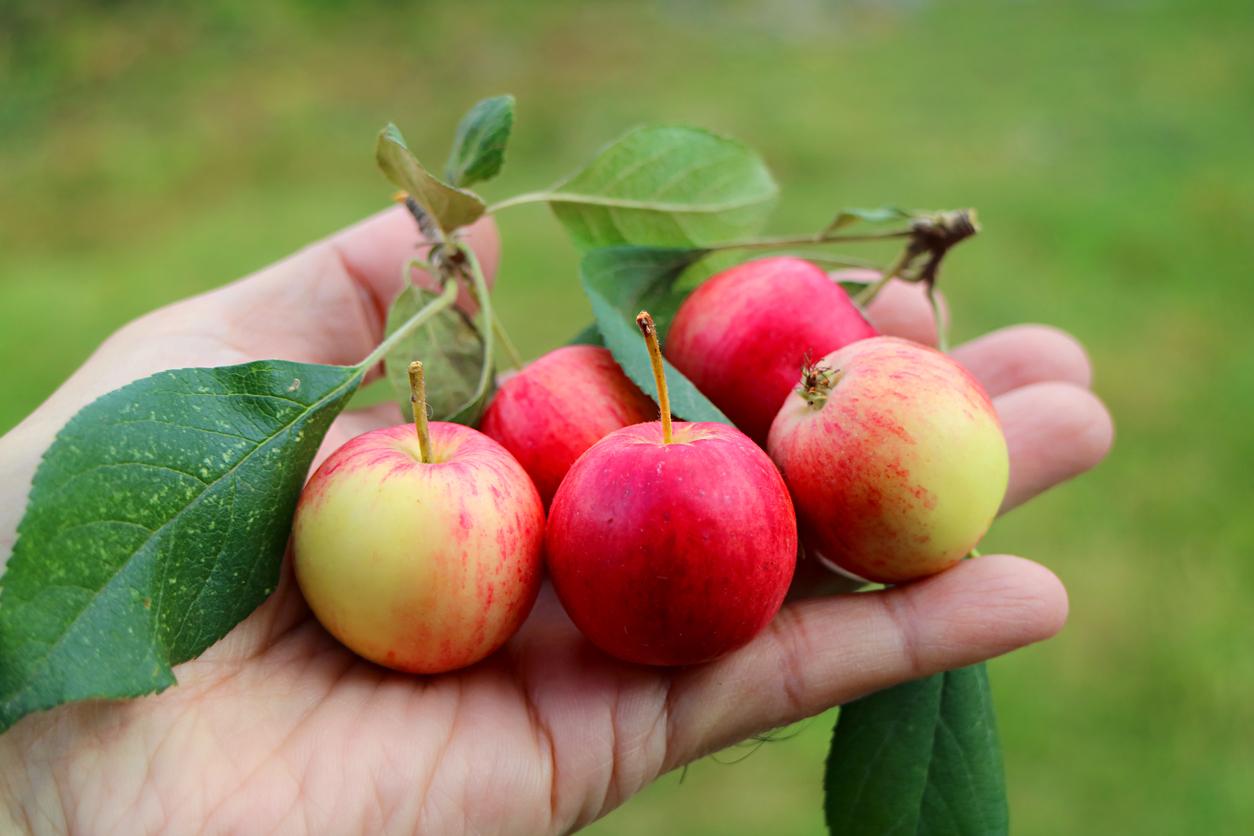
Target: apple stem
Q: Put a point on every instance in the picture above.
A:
(645, 322)
(418, 399)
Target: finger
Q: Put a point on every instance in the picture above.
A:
(825, 652)
(328, 303)
(812, 578)
(325, 304)
(1001, 361)
(900, 309)
(1055, 431)
(1025, 354)
(370, 251)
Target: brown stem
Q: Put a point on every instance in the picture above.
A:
(645, 322)
(418, 399)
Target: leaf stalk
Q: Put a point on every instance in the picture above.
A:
(446, 298)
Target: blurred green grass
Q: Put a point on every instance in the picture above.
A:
(148, 153)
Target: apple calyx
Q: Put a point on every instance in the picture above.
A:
(418, 399)
(645, 323)
(817, 383)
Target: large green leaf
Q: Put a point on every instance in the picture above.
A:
(620, 281)
(450, 348)
(920, 759)
(479, 146)
(448, 206)
(667, 186)
(156, 522)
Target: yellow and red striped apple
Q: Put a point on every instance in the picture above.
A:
(894, 457)
(422, 566)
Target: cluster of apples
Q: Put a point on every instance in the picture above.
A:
(667, 543)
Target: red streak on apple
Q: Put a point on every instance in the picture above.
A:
(672, 554)
(743, 336)
(559, 406)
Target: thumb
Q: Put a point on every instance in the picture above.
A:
(328, 303)
(325, 304)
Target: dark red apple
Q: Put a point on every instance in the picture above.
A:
(743, 336)
(559, 406)
(671, 545)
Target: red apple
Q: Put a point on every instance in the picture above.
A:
(895, 459)
(420, 554)
(560, 405)
(671, 545)
(743, 336)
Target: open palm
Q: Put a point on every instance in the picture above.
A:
(276, 728)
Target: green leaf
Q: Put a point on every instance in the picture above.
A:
(479, 147)
(884, 214)
(450, 348)
(473, 409)
(666, 186)
(156, 522)
(921, 759)
(448, 206)
(620, 281)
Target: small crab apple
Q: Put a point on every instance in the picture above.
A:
(671, 544)
(743, 336)
(895, 459)
(420, 550)
(560, 405)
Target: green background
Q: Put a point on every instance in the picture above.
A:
(147, 153)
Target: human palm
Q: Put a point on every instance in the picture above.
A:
(277, 728)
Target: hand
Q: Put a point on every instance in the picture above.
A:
(276, 728)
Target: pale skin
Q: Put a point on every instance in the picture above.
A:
(276, 728)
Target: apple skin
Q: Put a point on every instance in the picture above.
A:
(422, 567)
(557, 407)
(672, 554)
(743, 335)
(901, 471)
